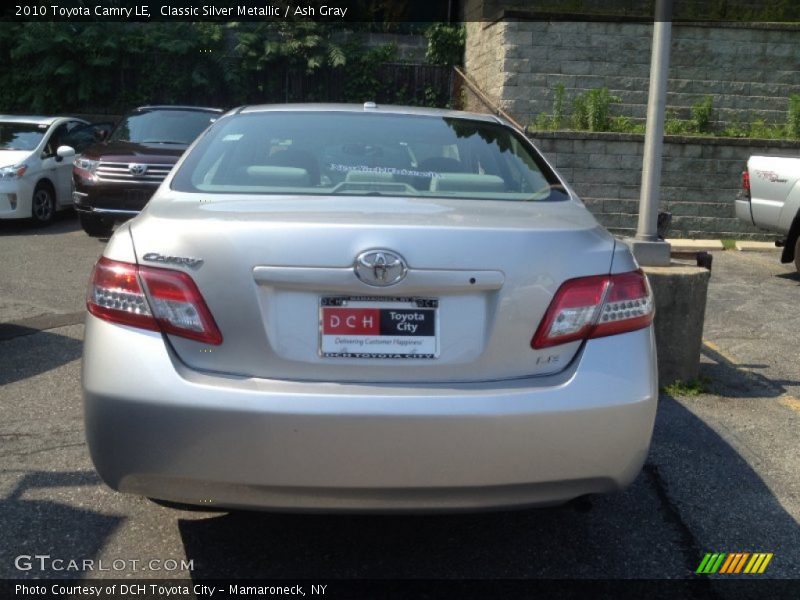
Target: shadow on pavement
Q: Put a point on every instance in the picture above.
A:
(45, 527)
(735, 380)
(792, 276)
(695, 495)
(30, 355)
(64, 222)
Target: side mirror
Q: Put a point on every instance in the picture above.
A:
(64, 152)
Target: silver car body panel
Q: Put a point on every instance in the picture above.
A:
(158, 428)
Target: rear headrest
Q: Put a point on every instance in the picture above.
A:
(467, 182)
(301, 159)
(277, 176)
(371, 176)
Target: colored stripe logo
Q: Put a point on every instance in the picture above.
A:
(735, 562)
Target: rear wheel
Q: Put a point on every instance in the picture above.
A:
(797, 254)
(95, 226)
(43, 205)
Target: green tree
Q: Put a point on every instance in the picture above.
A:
(300, 44)
(445, 44)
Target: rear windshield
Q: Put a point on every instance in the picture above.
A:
(21, 136)
(162, 127)
(344, 153)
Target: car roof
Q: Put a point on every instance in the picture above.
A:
(174, 107)
(371, 107)
(33, 120)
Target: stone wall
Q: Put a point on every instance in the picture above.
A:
(700, 179)
(748, 70)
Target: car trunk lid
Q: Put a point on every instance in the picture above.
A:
(275, 272)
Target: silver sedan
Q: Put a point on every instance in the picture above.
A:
(363, 308)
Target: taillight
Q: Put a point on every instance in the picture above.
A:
(115, 295)
(150, 298)
(746, 183)
(597, 306)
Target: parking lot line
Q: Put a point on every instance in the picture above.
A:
(786, 400)
(790, 402)
(721, 352)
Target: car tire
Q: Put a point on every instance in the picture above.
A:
(95, 226)
(43, 204)
(797, 254)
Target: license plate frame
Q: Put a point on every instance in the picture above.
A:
(362, 342)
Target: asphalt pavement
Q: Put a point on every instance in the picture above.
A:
(722, 475)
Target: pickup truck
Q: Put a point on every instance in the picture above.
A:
(770, 199)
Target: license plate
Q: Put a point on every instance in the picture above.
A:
(136, 199)
(368, 327)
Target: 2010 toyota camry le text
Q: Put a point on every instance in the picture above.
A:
(367, 308)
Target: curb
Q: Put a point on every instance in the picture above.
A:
(680, 246)
(756, 247)
(687, 246)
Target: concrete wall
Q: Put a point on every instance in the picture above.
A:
(700, 178)
(748, 70)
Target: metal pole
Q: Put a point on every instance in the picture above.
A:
(647, 230)
(654, 134)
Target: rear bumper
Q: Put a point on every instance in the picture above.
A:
(158, 429)
(743, 212)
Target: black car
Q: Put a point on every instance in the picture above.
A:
(116, 177)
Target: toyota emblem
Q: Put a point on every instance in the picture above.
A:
(137, 169)
(380, 267)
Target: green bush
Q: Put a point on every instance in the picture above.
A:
(362, 81)
(445, 44)
(736, 129)
(674, 125)
(793, 118)
(625, 125)
(543, 122)
(761, 129)
(557, 119)
(65, 66)
(591, 110)
(106, 68)
(701, 115)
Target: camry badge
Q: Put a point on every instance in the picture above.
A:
(380, 267)
(137, 169)
(185, 261)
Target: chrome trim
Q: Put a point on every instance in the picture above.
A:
(417, 281)
(380, 267)
(141, 180)
(113, 211)
(120, 172)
